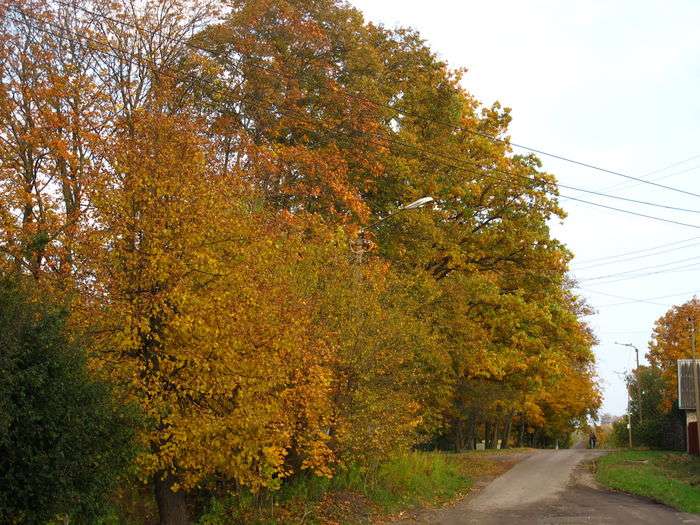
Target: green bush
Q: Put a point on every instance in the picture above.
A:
(63, 438)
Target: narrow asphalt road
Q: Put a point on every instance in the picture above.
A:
(553, 487)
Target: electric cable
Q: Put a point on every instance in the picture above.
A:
(398, 111)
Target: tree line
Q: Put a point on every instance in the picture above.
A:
(216, 195)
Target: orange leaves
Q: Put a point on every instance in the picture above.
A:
(190, 296)
(670, 341)
(200, 204)
(238, 329)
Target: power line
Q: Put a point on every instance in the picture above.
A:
(591, 203)
(627, 303)
(391, 140)
(631, 212)
(605, 170)
(630, 300)
(692, 292)
(654, 172)
(627, 185)
(636, 270)
(672, 165)
(628, 259)
(544, 182)
(633, 252)
(627, 199)
(623, 332)
(455, 127)
(639, 301)
(688, 268)
(555, 185)
(669, 175)
(648, 300)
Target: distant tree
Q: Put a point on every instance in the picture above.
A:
(63, 438)
(670, 341)
(607, 419)
(653, 425)
(619, 436)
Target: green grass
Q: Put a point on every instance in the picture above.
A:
(358, 495)
(415, 479)
(672, 478)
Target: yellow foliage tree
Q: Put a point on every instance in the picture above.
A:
(201, 325)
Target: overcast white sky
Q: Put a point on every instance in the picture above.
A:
(611, 83)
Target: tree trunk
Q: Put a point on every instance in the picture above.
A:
(471, 432)
(459, 435)
(487, 434)
(172, 507)
(521, 437)
(505, 437)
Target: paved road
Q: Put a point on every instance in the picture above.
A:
(553, 487)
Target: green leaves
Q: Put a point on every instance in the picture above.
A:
(64, 439)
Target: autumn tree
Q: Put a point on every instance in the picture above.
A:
(336, 86)
(670, 341)
(221, 193)
(180, 303)
(49, 111)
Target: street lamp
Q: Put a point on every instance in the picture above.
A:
(411, 206)
(629, 416)
(418, 204)
(361, 242)
(639, 380)
(630, 345)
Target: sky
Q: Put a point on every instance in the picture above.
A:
(613, 84)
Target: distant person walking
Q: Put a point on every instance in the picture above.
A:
(592, 439)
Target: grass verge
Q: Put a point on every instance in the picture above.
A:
(408, 481)
(672, 478)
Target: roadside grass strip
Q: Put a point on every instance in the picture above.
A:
(672, 478)
(406, 482)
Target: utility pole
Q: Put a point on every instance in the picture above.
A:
(696, 383)
(639, 379)
(629, 417)
(623, 375)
